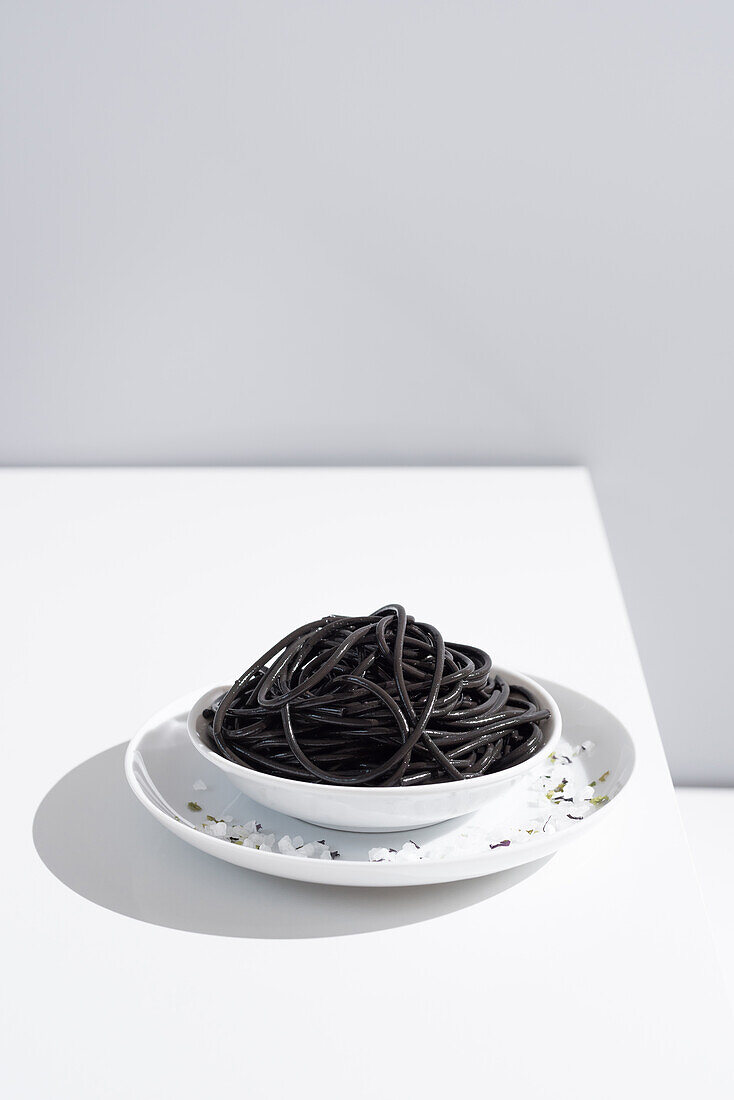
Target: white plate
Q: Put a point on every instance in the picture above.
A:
(375, 809)
(162, 767)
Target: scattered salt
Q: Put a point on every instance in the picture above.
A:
(554, 800)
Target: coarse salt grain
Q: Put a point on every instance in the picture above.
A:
(200, 785)
(409, 853)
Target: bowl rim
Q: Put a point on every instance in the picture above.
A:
(333, 790)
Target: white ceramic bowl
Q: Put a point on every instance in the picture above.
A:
(375, 809)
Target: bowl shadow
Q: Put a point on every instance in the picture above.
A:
(95, 837)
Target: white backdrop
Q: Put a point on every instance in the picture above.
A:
(392, 231)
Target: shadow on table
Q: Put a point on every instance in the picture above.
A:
(93, 835)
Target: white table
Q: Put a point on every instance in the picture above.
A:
(707, 814)
(592, 975)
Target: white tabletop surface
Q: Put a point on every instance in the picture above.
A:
(707, 814)
(591, 974)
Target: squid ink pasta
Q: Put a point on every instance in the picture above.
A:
(375, 700)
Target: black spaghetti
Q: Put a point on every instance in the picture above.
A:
(377, 700)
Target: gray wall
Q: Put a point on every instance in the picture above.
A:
(385, 231)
